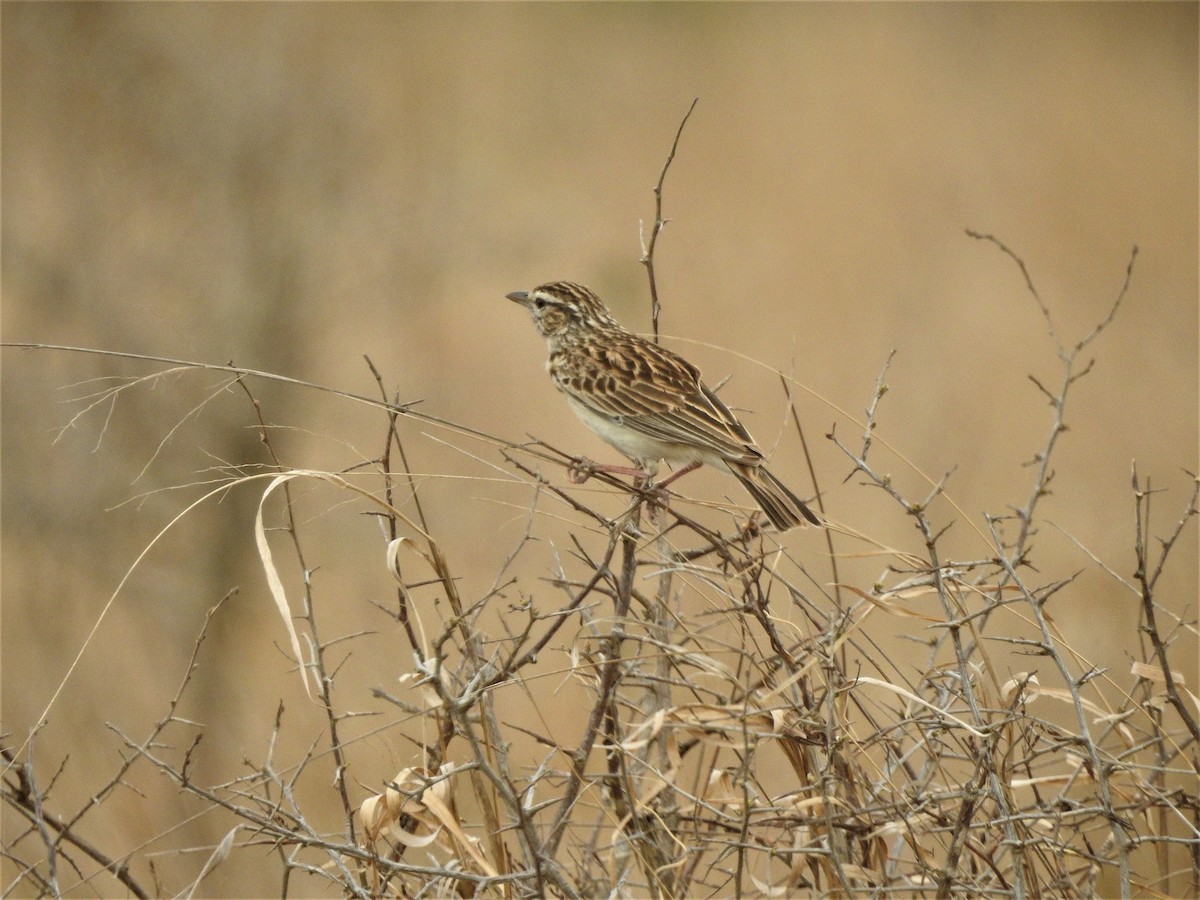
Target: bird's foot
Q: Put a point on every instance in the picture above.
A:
(658, 504)
(581, 469)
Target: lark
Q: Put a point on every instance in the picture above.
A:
(647, 402)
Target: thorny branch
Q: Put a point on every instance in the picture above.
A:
(647, 258)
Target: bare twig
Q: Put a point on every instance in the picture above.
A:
(647, 258)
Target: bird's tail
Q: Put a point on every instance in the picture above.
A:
(783, 508)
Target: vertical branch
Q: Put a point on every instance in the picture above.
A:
(393, 436)
(1146, 579)
(812, 474)
(39, 820)
(658, 826)
(647, 259)
(610, 671)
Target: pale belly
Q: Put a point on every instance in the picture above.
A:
(642, 448)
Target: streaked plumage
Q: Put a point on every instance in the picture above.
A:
(646, 401)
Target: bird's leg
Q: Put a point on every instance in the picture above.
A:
(583, 468)
(660, 492)
(690, 467)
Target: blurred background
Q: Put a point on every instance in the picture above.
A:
(290, 187)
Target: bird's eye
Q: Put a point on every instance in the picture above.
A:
(539, 303)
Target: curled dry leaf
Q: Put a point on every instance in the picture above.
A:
(422, 798)
(274, 582)
(1024, 683)
(393, 559)
(381, 814)
(393, 556)
(768, 890)
(724, 791)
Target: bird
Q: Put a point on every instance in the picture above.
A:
(649, 403)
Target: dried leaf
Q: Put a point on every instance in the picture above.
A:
(412, 795)
(1154, 673)
(891, 606)
(863, 679)
(1024, 683)
(439, 808)
(274, 583)
(219, 855)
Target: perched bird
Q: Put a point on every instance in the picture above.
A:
(646, 401)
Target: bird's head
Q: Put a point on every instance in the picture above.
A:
(561, 307)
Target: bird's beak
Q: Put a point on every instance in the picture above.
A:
(518, 296)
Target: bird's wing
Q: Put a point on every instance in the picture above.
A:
(656, 392)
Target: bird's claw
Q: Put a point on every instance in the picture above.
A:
(581, 469)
